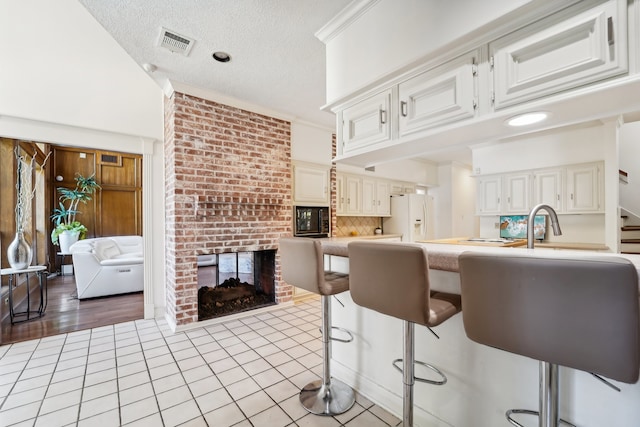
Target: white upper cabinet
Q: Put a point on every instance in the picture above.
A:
(489, 195)
(362, 196)
(367, 122)
(444, 94)
(369, 202)
(569, 189)
(517, 193)
(353, 195)
(547, 190)
(383, 198)
(584, 183)
(310, 184)
(571, 48)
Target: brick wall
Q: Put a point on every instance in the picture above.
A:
(228, 184)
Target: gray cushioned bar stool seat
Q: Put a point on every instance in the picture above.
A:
(580, 313)
(302, 264)
(393, 279)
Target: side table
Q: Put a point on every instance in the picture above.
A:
(60, 256)
(40, 271)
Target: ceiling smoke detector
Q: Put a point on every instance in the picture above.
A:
(175, 42)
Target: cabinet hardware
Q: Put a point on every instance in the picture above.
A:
(571, 196)
(558, 197)
(491, 62)
(475, 105)
(403, 108)
(474, 67)
(383, 117)
(610, 37)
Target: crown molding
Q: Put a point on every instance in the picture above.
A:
(344, 19)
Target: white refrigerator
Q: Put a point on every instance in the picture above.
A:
(410, 216)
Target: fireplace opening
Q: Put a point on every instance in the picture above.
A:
(235, 282)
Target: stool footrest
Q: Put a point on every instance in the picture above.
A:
(327, 399)
(529, 412)
(424, 380)
(345, 331)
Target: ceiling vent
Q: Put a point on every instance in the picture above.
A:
(175, 42)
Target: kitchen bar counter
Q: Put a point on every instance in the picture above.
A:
(444, 256)
(481, 384)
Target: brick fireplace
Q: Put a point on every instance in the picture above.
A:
(228, 189)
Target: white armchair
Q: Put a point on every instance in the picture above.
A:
(108, 266)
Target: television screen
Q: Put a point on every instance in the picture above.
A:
(515, 226)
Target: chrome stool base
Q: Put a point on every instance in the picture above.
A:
(529, 412)
(327, 399)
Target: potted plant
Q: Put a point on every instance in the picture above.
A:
(67, 230)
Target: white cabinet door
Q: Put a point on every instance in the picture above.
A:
(310, 184)
(442, 95)
(583, 188)
(367, 123)
(548, 188)
(489, 195)
(340, 194)
(353, 193)
(383, 198)
(517, 194)
(369, 202)
(569, 49)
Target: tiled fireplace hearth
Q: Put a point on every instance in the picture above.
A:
(228, 185)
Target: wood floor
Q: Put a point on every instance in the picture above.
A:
(65, 313)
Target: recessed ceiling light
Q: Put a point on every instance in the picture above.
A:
(527, 118)
(221, 56)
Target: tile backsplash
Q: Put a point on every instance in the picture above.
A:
(363, 225)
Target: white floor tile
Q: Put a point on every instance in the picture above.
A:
(181, 413)
(225, 416)
(282, 391)
(168, 383)
(242, 388)
(105, 419)
(32, 383)
(99, 390)
(133, 380)
(60, 401)
(139, 410)
(19, 399)
(135, 394)
(272, 417)
(211, 401)
(63, 417)
(293, 407)
(173, 397)
(153, 420)
(204, 386)
(268, 378)
(312, 420)
(97, 406)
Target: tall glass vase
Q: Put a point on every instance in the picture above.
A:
(19, 252)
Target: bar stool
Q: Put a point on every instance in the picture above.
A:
(302, 265)
(581, 313)
(393, 279)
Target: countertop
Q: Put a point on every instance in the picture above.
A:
(499, 243)
(519, 243)
(443, 256)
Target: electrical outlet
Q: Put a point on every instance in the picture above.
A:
(496, 225)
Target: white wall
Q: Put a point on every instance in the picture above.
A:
(581, 144)
(64, 80)
(60, 66)
(629, 161)
(310, 143)
(416, 171)
(454, 202)
(393, 33)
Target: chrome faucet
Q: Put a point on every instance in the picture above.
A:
(532, 215)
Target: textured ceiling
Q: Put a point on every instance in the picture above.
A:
(276, 60)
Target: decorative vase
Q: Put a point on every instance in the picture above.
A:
(66, 239)
(19, 252)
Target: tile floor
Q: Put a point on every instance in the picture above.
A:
(245, 372)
